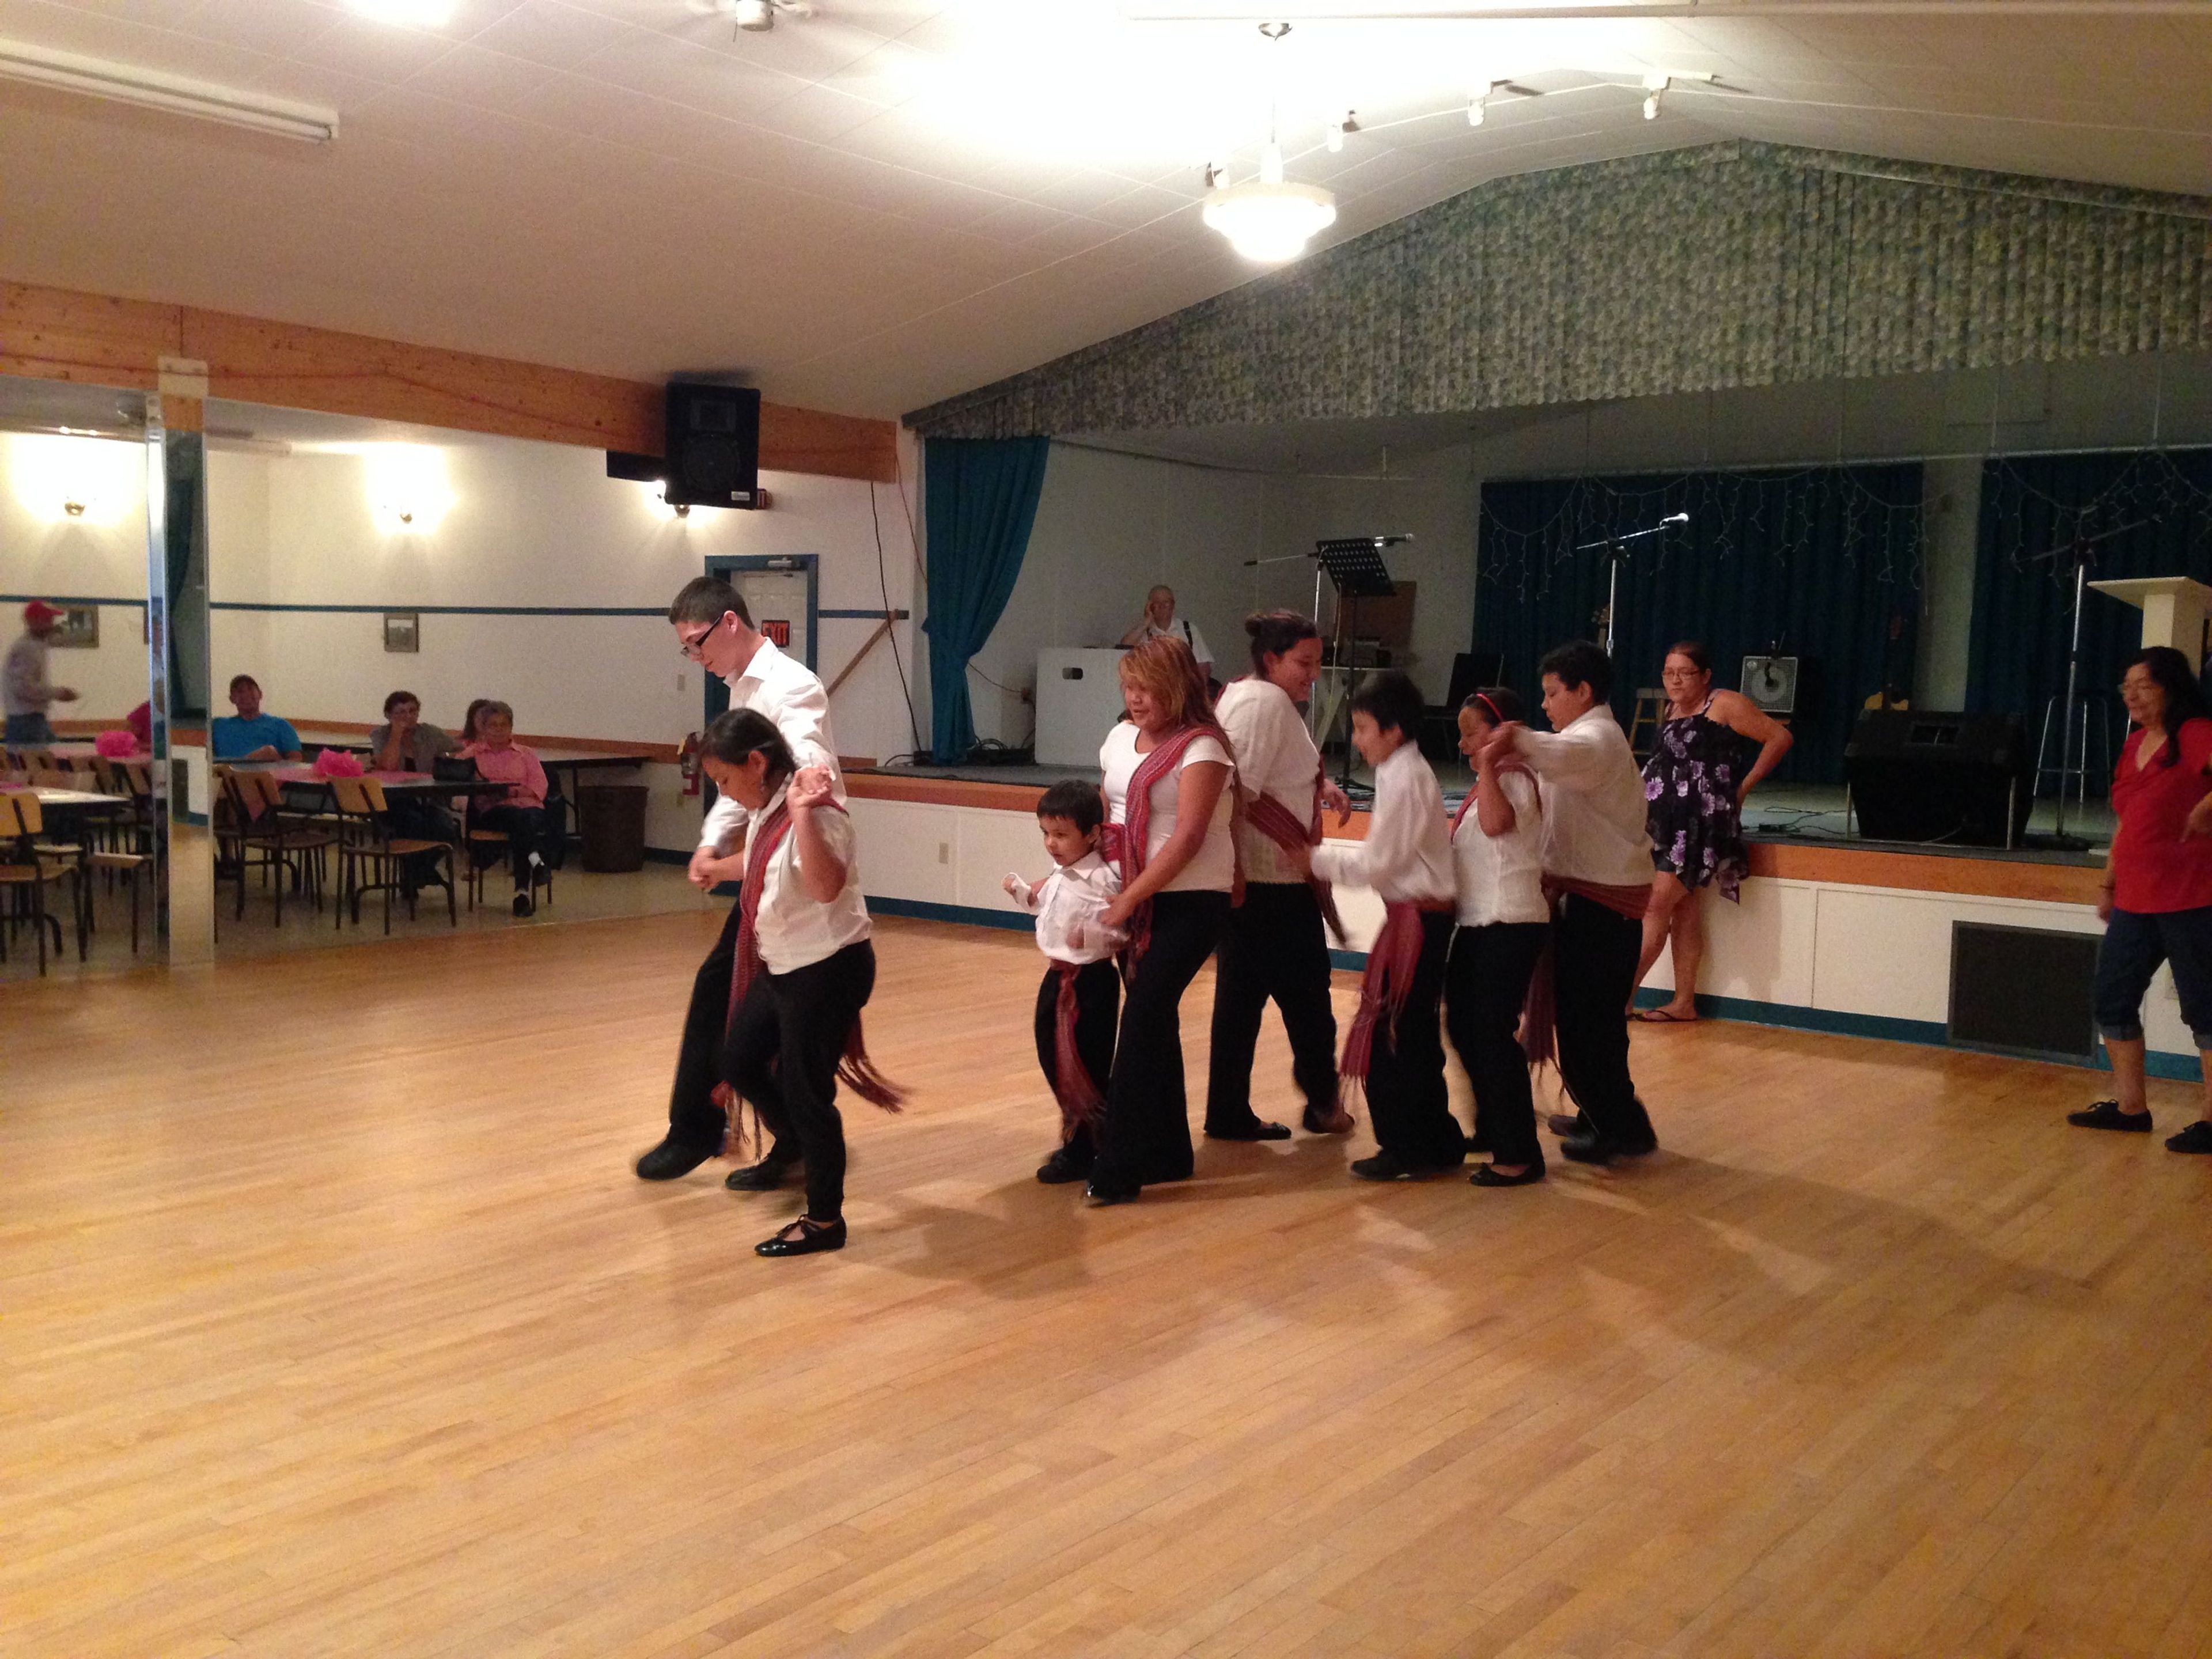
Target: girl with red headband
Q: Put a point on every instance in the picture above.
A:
(1168, 771)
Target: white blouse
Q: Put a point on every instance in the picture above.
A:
(1275, 756)
(793, 929)
(1070, 906)
(1501, 877)
(1214, 869)
(1407, 856)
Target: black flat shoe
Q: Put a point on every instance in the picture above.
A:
(1487, 1175)
(803, 1238)
(1257, 1129)
(2196, 1137)
(761, 1177)
(1389, 1166)
(1314, 1123)
(1064, 1167)
(2107, 1115)
(1102, 1196)
(1597, 1149)
(671, 1159)
(1564, 1124)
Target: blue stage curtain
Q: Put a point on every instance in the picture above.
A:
(1824, 564)
(980, 501)
(2160, 500)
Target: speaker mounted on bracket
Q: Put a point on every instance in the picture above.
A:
(714, 445)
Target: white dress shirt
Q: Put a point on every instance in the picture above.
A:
(1070, 906)
(786, 691)
(1594, 828)
(792, 928)
(1214, 867)
(1275, 756)
(1501, 877)
(1407, 857)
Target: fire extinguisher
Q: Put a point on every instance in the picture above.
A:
(687, 762)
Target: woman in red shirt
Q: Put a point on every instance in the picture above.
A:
(2157, 898)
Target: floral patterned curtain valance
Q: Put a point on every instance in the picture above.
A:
(1732, 264)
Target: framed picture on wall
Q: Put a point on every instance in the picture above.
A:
(78, 628)
(402, 630)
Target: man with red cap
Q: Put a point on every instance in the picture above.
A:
(23, 681)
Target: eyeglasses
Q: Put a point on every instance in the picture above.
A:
(694, 647)
(1679, 673)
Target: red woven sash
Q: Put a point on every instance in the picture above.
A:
(1540, 1013)
(1128, 848)
(1392, 960)
(1279, 824)
(1072, 1085)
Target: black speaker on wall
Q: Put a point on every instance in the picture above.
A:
(1961, 779)
(714, 445)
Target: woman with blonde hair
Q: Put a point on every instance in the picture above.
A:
(1168, 770)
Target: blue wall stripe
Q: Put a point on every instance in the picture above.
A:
(434, 610)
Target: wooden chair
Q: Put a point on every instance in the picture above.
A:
(27, 871)
(367, 845)
(1644, 725)
(495, 841)
(260, 834)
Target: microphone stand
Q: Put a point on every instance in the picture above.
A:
(2078, 551)
(1615, 549)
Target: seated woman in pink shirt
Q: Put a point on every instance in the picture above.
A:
(521, 810)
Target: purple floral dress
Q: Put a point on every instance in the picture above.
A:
(1690, 784)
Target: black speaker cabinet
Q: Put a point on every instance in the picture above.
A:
(2023, 991)
(714, 445)
(1961, 779)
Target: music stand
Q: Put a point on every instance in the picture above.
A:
(1355, 568)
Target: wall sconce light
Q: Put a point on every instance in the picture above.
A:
(78, 480)
(657, 502)
(407, 489)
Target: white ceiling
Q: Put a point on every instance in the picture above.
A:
(900, 199)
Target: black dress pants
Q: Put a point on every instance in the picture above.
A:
(1145, 1134)
(781, 1055)
(694, 1121)
(1407, 1100)
(1273, 945)
(526, 833)
(1594, 952)
(1098, 1005)
(1485, 984)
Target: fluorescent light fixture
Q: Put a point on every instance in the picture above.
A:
(411, 14)
(126, 83)
(407, 488)
(93, 481)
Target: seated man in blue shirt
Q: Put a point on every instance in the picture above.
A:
(251, 735)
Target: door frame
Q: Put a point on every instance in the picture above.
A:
(730, 565)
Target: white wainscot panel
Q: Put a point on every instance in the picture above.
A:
(993, 843)
(1888, 953)
(906, 849)
(1760, 950)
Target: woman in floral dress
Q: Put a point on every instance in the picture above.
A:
(1696, 782)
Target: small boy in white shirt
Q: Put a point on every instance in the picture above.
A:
(1078, 1004)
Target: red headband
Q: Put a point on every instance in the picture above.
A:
(1497, 713)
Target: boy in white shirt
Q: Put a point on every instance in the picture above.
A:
(1078, 1004)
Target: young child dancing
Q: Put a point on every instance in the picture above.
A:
(1079, 1001)
(1395, 1046)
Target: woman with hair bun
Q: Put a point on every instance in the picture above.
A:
(1273, 944)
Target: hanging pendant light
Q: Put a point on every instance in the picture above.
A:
(1269, 219)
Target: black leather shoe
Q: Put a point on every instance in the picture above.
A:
(671, 1159)
(1487, 1175)
(764, 1176)
(1065, 1167)
(803, 1238)
(1389, 1166)
(2196, 1137)
(1257, 1129)
(1597, 1149)
(1564, 1124)
(2107, 1115)
(1102, 1196)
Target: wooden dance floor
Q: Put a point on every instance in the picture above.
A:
(335, 1324)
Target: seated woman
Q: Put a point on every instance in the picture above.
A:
(403, 743)
(520, 812)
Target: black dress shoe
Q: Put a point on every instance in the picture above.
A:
(1103, 1195)
(1564, 1124)
(1257, 1129)
(803, 1238)
(2196, 1137)
(1389, 1166)
(1065, 1166)
(2107, 1115)
(1488, 1175)
(671, 1159)
(1320, 1123)
(1599, 1148)
(764, 1176)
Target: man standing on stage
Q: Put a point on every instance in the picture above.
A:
(714, 629)
(1597, 857)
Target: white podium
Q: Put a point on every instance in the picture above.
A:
(1079, 698)
(2174, 609)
